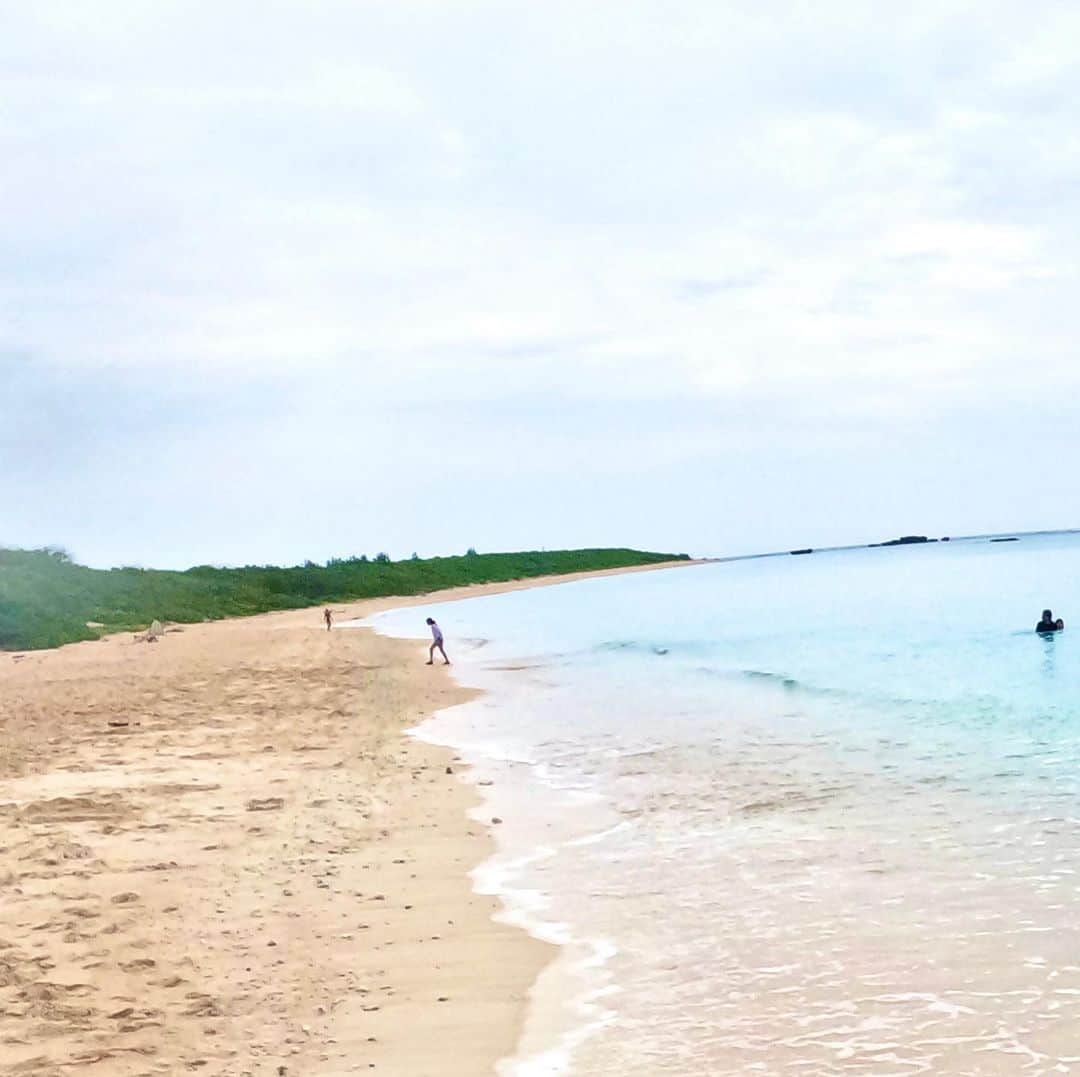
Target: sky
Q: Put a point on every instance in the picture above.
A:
(285, 280)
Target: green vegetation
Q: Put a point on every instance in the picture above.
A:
(46, 599)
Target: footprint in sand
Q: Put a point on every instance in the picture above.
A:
(81, 809)
(80, 913)
(140, 964)
(54, 851)
(203, 1005)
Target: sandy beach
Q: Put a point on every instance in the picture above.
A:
(219, 853)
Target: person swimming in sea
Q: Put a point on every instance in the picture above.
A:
(1048, 624)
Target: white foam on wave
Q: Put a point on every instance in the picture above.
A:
(586, 1008)
(568, 999)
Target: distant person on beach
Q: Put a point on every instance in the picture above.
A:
(437, 641)
(1048, 624)
(328, 616)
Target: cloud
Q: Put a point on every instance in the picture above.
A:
(251, 221)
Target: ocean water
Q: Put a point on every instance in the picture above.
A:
(793, 815)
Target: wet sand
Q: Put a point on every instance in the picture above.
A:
(220, 854)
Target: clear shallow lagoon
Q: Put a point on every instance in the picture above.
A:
(807, 815)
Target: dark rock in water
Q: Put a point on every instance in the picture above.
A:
(945, 538)
(1014, 539)
(906, 540)
(807, 550)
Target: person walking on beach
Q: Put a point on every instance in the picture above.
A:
(328, 616)
(437, 641)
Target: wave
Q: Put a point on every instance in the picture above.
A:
(635, 645)
(777, 678)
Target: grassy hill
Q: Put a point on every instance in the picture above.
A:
(46, 599)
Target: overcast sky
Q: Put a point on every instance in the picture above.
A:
(295, 280)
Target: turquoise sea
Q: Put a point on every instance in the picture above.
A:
(787, 815)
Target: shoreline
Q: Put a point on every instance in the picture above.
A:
(222, 850)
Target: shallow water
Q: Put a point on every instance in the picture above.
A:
(792, 815)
